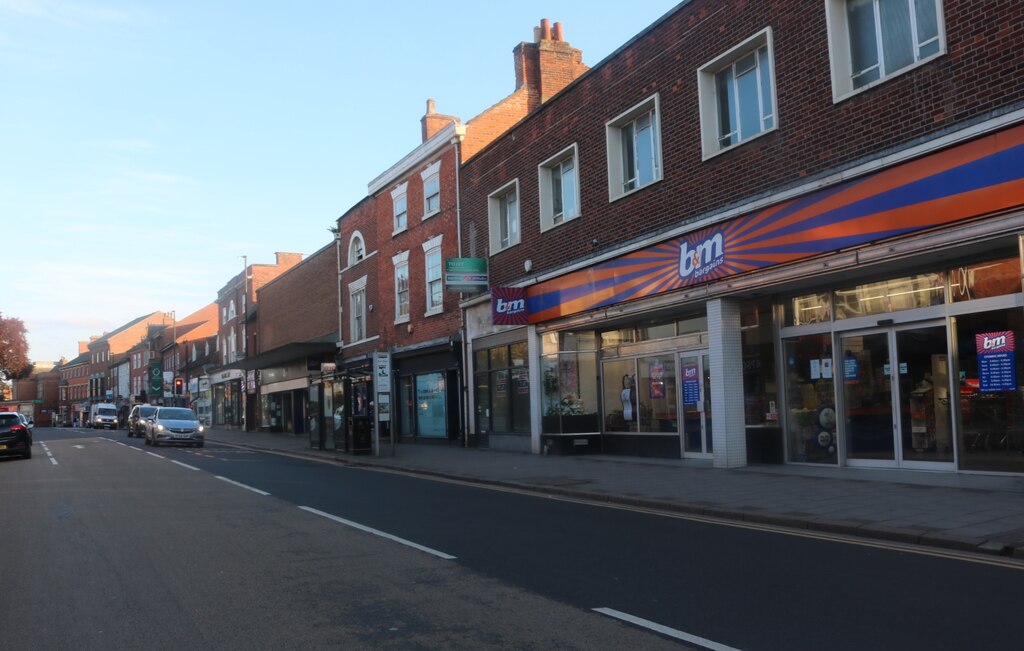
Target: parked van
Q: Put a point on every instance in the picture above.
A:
(103, 415)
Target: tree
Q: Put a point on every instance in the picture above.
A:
(14, 364)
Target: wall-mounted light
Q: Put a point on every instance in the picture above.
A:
(527, 265)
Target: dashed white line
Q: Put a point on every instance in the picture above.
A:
(48, 453)
(376, 532)
(665, 630)
(248, 488)
(183, 465)
(154, 454)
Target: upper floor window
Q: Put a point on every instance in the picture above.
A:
(356, 249)
(401, 262)
(432, 268)
(399, 208)
(231, 309)
(357, 309)
(559, 188)
(431, 189)
(503, 217)
(737, 97)
(634, 149)
(871, 40)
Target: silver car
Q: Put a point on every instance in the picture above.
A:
(174, 426)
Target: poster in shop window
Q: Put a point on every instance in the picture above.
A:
(657, 373)
(997, 364)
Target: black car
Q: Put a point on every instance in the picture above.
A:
(15, 436)
(137, 419)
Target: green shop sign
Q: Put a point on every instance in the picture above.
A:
(465, 274)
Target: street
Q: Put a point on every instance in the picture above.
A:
(111, 544)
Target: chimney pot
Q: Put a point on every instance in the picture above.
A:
(556, 32)
(430, 107)
(545, 29)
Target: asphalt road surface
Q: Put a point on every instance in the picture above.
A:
(110, 544)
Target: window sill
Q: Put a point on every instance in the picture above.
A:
(428, 215)
(548, 225)
(439, 310)
(708, 156)
(614, 198)
(847, 93)
(402, 319)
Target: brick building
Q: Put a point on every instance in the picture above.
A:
(296, 331)
(74, 388)
(106, 379)
(392, 249)
(757, 232)
(38, 395)
(236, 338)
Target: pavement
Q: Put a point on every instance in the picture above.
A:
(958, 511)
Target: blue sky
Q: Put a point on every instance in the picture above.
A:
(146, 146)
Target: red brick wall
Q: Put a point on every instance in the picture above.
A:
(980, 75)
(300, 305)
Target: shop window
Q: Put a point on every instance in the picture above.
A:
(759, 390)
(810, 396)
(893, 295)
(985, 280)
(569, 376)
(431, 411)
(812, 308)
(991, 386)
(503, 389)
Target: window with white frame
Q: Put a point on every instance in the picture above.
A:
(357, 309)
(399, 208)
(356, 248)
(401, 263)
(558, 180)
(432, 266)
(431, 189)
(503, 217)
(634, 149)
(737, 95)
(871, 40)
(231, 310)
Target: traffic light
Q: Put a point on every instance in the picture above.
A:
(179, 386)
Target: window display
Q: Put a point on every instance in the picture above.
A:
(810, 390)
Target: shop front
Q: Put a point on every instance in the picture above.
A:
(226, 390)
(871, 324)
(428, 394)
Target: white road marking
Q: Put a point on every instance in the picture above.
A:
(184, 465)
(154, 454)
(376, 532)
(48, 453)
(665, 630)
(124, 445)
(78, 447)
(132, 447)
(248, 488)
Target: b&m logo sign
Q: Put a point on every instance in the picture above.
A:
(704, 258)
(995, 342)
(508, 306)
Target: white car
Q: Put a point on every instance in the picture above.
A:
(174, 426)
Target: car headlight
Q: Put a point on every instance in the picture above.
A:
(159, 428)
(201, 429)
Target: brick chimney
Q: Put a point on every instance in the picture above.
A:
(547, 65)
(432, 121)
(287, 259)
